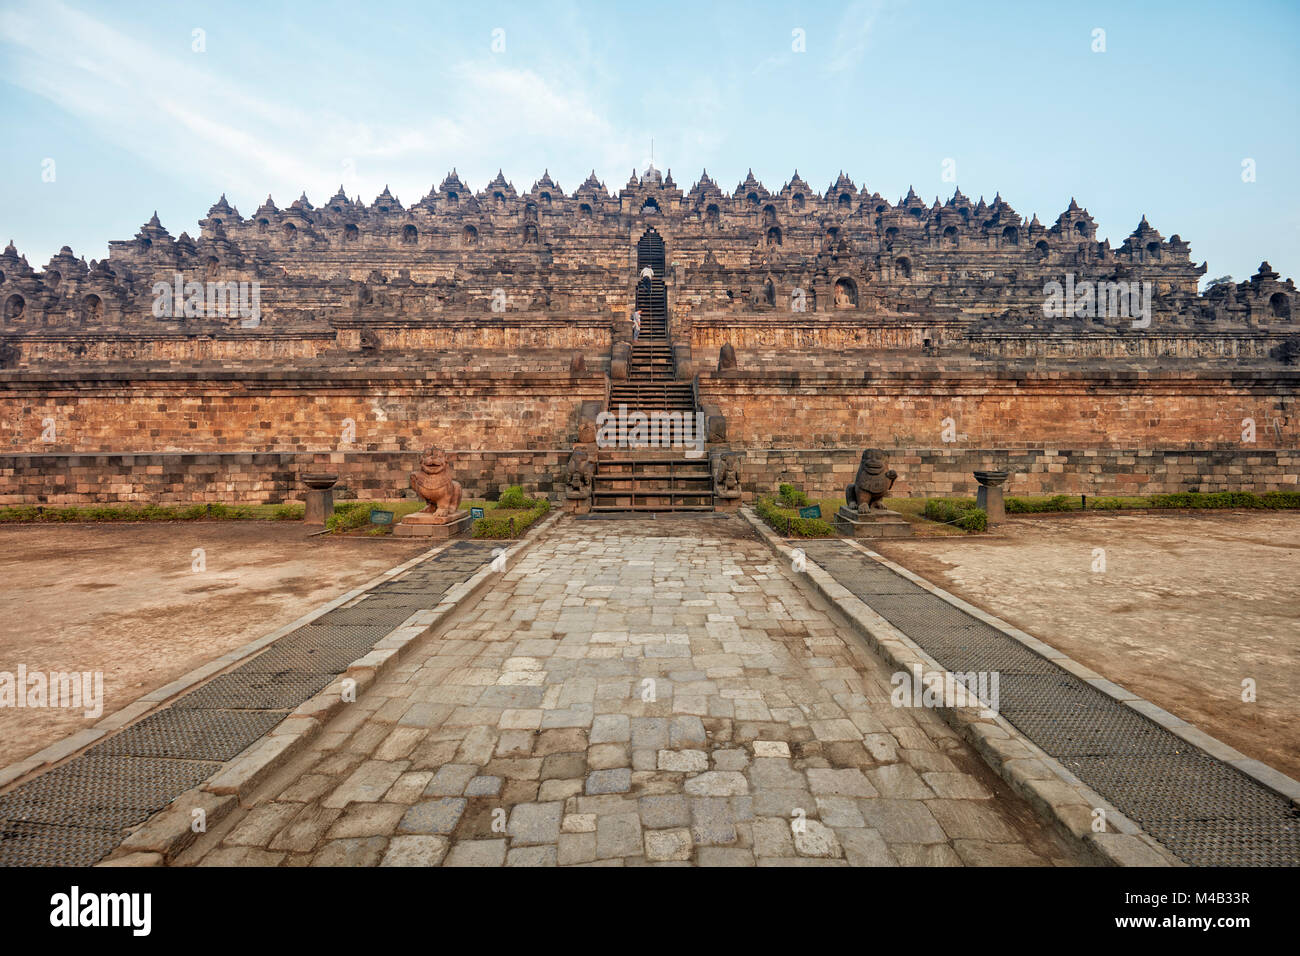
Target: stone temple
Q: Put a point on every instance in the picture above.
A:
(802, 324)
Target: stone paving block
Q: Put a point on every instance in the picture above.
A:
(970, 820)
(483, 786)
(563, 766)
(773, 837)
(683, 761)
(609, 781)
(736, 759)
(649, 732)
(575, 848)
(261, 824)
(865, 847)
(611, 728)
(241, 856)
(608, 756)
(667, 810)
(365, 851)
(848, 782)
(368, 783)
(409, 787)
(771, 748)
(723, 856)
(415, 851)
(366, 820)
(902, 821)
(433, 816)
(564, 740)
(956, 786)
(774, 773)
(813, 838)
(717, 783)
(477, 853)
(399, 743)
(305, 830)
(982, 853)
(451, 780)
(532, 856)
(712, 820)
(668, 844)
(686, 733)
(618, 834)
(839, 811)
(532, 823)
(579, 823)
(782, 803)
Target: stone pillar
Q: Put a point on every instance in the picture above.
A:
(989, 496)
(319, 499)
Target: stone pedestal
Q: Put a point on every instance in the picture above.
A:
(576, 504)
(726, 502)
(872, 523)
(320, 505)
(423, 524)
(319, 499)
(989, 496)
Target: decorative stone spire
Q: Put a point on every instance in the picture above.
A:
(152, 230)
(221, 209)
(452, 183)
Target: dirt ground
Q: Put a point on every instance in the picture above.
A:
(124, 600)
(1187, 608)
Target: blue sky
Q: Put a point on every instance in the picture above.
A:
(303, 96)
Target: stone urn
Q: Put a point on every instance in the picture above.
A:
(319, 500)
(989, 496)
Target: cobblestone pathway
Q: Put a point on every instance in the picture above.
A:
(636, 692)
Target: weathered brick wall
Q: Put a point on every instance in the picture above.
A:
(288, 411)
(242, 478)
(824, 472)
(245, 436)
(1070, 409)
(801, 336)
(474, 335)
(821, 472)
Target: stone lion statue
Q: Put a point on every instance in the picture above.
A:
(726, 474)
(872, 482)
(433, 483)
(580, 470)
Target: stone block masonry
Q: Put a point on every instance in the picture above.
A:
(258, 478)
(255, 478)
(824, 472)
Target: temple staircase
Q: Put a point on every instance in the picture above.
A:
(654, 479)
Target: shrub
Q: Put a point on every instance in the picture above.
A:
(512, 497)
(507, 526)
(959, 512)
(1106, 504)
(1032, 506)
(349, 515)
(792, 497)
(792, 527)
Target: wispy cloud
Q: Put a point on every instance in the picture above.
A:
(176, 114)
(852, 34)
